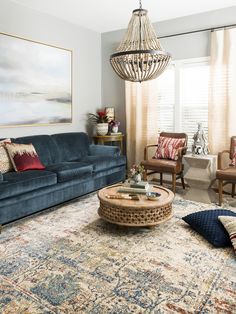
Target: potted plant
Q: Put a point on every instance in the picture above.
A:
(101, 121)
(114, 126)
(136, 173)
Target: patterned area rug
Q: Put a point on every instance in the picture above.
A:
(67, 260)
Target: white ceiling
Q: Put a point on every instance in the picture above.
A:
(109, 15)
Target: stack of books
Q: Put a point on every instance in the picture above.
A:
(135, 188)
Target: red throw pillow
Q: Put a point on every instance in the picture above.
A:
(168, 147)
(24, 157)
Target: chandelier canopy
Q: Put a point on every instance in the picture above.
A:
(140, 56)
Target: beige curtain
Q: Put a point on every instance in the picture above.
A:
(141, 118)
(222, 97)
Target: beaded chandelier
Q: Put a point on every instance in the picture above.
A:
(140, 56)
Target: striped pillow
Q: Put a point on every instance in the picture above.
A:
(229, 223)
(5, 162)
(168, 147)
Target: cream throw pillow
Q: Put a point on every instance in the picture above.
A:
(5, 162)
(229, 222)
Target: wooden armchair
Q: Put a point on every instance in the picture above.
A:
(226, 175)
(173, 167)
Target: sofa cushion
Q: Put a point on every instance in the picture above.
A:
(72, 146)
(24, 157)
(16, 183)
(69, 170)
(105, 162)
(45, 147)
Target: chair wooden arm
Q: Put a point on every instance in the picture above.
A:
(219, 159)
(146, 150)
(181, 151)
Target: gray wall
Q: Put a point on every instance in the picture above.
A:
(181, 47)
(86, 45)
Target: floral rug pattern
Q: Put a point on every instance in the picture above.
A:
(67, 260)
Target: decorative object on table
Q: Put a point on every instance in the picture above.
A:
(200, 144)
(123, 196)
(114, 126)
(140, 56)
(42, 89)
(136, 172)
(110, 113)
(153, 196)
(100, 120)
(144, 185)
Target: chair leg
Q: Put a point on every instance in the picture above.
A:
(182, 181)
(174, 182)
(161, 178)
(233, 189)
(220, 190)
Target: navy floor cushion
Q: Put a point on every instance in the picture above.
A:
(207, 224)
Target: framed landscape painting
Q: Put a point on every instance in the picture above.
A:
(35, 83)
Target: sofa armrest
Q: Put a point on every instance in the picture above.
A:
(103, 150)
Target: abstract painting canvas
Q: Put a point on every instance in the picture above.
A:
(35, 83)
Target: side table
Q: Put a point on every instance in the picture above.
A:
(112, 138)
(199, 177)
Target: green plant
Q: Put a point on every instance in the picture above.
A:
(100, 117)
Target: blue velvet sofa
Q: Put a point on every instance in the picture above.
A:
(74, 167)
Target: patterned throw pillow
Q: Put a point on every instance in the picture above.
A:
(233, 163)
(5, 162)
(230, 225)
(207, 224)
(168, 147)
(24, 157)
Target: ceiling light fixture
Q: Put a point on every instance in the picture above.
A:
(140, 56)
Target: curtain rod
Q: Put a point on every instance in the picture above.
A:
(199, 31)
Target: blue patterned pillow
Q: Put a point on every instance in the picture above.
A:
(207, 224)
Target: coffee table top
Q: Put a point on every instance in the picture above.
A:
(166, 197)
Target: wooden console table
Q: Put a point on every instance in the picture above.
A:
(113, 138)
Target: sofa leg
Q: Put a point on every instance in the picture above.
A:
(220, 190)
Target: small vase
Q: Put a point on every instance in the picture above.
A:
(102, 128)
(137, 178)
(114, 129)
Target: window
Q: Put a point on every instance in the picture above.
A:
(183, 97)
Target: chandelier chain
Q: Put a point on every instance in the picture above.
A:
(140, 4)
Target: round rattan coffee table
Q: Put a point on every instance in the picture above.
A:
(135, 213)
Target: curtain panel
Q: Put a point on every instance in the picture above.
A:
(222, 90)
(141, 118)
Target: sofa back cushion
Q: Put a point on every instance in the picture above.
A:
(45, 147)
(72, 146)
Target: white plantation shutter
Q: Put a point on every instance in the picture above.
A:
(194, 82)
(166, 100)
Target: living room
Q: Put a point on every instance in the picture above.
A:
(80, 233)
